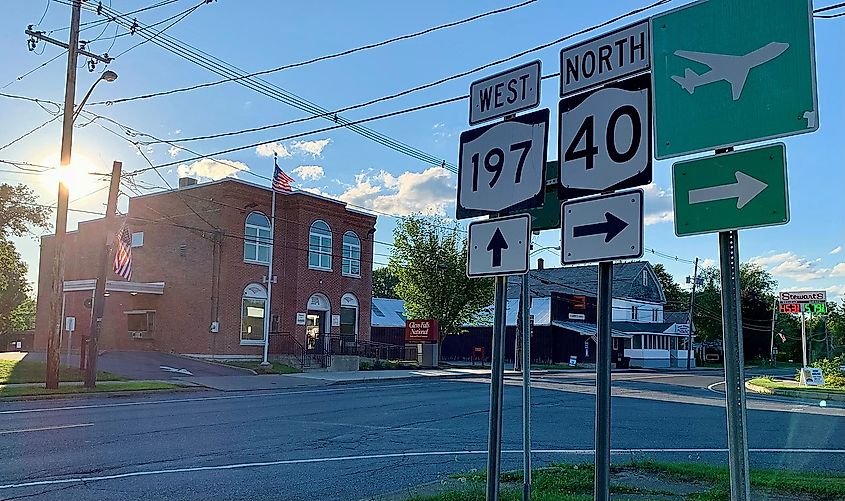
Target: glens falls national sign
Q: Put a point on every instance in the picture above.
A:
(422, 331)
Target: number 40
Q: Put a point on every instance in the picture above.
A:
(587, 132)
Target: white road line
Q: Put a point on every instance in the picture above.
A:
(62, 427)
(202, 399)
(235, 466)
(713, 386)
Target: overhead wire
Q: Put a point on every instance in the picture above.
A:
(32, 131)
(38, 67)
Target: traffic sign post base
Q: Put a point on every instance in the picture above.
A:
(497, 373)
(734, 370)
(603, 344)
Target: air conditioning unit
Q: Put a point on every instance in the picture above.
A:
(140, 335)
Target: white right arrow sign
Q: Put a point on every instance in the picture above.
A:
(744, 190)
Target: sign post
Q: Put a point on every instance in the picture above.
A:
(603, 352)
(497, 371)
(527, 327)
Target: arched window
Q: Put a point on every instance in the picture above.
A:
(253, 314)
(351, 255)
(320, 246)
(257, 238)
(349, 318)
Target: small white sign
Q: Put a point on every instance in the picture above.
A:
(300, 319)
(505, 93)
(499, 247)
(605, 58)
(682, 328)
(70, 324)
(573, 361)
(602, 228)
(502, 166)
(803, 297)
(812, 376)
(577, 316)
(335, 320)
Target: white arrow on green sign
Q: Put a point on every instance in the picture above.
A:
(742, 189)
(728, 72)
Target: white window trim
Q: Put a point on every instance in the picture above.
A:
(251, 342)
(136, 245)
(321, 253)
(257, 241)
(343, 258)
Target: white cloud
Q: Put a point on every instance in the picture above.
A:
(835, 292)
(309, 172)
(173, 151)
(267, 150)
(428, 192)
(708, 262)
(658, 205)
(836, 250)
(209, 168)
(788, 265)
(838, 270)
(438, 125)
(313, 148)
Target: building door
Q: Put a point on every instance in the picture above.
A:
(314, 330)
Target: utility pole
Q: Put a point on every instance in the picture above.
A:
(99, 305)
(774, 318)
(57, 284)
(691, 305)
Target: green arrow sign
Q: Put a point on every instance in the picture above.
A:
(742, 189)
(726, 73)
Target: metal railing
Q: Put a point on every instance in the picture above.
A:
(319, 351)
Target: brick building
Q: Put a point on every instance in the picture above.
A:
(199, 262)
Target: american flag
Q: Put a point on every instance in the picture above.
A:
(281, 181)
(123, 254)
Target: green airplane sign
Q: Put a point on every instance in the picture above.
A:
(728, 72)
(731, 191)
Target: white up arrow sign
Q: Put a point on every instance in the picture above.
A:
(744, 190)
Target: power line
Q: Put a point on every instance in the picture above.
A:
(91, 24)
(324, 57)
(829, 7)
(33, 70)
(178, 17)
(37, 128)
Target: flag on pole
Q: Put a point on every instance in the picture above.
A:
(782, 337)
(281, 181)
(123, 253)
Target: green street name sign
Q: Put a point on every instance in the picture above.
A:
(742, 189)
(546, 217)
(730, 72)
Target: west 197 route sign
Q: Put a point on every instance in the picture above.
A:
(502, 166)
(605, 138)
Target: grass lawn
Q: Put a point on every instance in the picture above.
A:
(275, 367)
(640, 480)
(553, 367)
(22, 391)
(774, 384)
(24, 371)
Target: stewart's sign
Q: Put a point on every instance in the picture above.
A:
(422, 331)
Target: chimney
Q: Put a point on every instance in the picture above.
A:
(184, 182)
(540, 263)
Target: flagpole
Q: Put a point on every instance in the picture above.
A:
(264, 361)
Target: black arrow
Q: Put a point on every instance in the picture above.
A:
(612, 226)
(497, 243)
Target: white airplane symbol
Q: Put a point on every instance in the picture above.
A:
(733, 69)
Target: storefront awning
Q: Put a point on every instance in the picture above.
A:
(586, 329)
(116, 286)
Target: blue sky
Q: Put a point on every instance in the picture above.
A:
(256, 35)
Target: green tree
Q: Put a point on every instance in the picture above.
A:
(677, 299)
(19, 212)
(23, 317)
(429, 259)
(384, 283)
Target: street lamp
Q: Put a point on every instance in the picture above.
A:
(57, 286)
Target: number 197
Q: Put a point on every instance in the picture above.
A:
(494, 162)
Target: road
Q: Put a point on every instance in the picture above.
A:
(355, 441)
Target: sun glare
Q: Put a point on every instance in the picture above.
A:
(77, 176)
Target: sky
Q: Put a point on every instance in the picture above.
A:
(256, 35)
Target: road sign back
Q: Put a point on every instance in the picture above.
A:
(499, 247)
(501, 166)
(602, 228)
(728, 73)
(742, 189)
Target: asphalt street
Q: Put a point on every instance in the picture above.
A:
(356, 441)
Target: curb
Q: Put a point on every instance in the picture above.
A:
(107, 394)
(214, 362)
(807, 395)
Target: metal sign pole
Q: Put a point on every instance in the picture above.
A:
(803, 338)
(527, 326)
(603, 344)
(734, 371)
(494, 436)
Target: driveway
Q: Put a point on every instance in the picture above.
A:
(150, 365)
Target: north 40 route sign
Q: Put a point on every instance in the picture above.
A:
(729, 72)
(731, 191)
(499, 247)
(602, 228)
(605, 139)
(502, 166)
